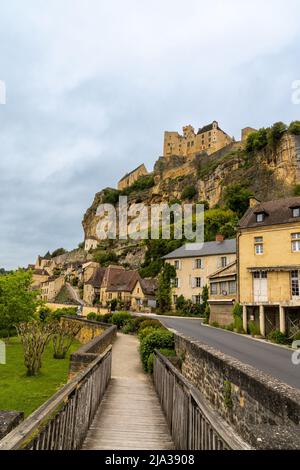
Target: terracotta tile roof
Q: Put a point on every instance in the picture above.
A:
(276, 212)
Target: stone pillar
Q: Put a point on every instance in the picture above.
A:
(262, 320)
(282, 319)
(245, 322)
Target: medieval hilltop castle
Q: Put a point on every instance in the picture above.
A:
(209, 139)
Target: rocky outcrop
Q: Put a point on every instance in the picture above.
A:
(269, 174)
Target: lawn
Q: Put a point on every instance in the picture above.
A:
(21, 393)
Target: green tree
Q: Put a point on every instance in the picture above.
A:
(236, 198)
(167, 275)
(257, 140)
(18, 302)
(189, 192)
(275, 133)
(222, 221)
(58, 252)
(294, 128)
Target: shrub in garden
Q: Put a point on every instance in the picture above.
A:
(129, 327)
(44, 313)
(156, 340)
(106, 318)
(254, 328)
(153, 323)
(238, 325)
(215, 324)
(63, 337)
(34, 337)
(58, 313)
(119, 319)
(164, 352)
(92, 316)
(277, 337)
(146, 331)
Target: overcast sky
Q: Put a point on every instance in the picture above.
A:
(92, 85)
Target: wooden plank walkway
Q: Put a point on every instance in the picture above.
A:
(130, 416)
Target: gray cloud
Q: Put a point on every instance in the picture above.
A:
(91, 85)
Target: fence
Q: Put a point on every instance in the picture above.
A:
(63, 421)
(192, 422)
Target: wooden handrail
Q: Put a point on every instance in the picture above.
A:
(193, 423)
(53, 423)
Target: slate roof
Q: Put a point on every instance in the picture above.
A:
(149, 285)
(209, 248)
(276, 212)
(97, 278)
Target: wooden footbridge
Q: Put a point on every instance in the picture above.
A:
(112, 404)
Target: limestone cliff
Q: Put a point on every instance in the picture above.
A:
(269, 174)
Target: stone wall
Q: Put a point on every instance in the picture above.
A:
(221, 312)
(255, 404)
(89, 329)
(9, 420)
(89, 351)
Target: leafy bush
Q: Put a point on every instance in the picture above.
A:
(44, 312)
(238, 324)
(92, 316)
(215, 324)
(144, 182)
(58, 313)
(237, 310)
(296, 190)
(104, 257)
(120, 318)
(254, 328)
(275, 133)
(229, 327)
(189, 192)
(110, 196)
(146, 331)
(156, 340)
(206, 314)
(8, 332)
(236, 198)
(164, 352)
(129, 327)
(277, 337)
(113, 304)
(150, 322)
(294, 128)
(257, 140)
(106, 318)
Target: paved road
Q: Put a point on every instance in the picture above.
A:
(266, 357)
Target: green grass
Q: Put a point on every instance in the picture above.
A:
(21, 393)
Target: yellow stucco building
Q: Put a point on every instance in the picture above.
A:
(193, 267)
(268, 247)
(208, 139)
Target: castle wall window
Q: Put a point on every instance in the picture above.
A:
(295, 242)
(259, 245)
(295, 283)
(214, 288)
(232, 287)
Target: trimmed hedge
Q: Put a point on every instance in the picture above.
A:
(120, 318)
(157, 340)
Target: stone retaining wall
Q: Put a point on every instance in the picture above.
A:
(9, 420)
(89, 351)
(250, 400)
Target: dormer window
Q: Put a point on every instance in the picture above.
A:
(260, 217)
(296, 211)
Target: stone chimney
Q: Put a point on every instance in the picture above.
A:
(253, 201)
(219, 238)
